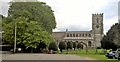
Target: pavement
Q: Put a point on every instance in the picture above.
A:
(43, 57)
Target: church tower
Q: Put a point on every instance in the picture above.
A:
(97, 28)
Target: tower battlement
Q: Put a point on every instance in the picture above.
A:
(97, 14)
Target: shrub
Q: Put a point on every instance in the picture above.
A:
(69, 45)
(62, 45)
(79, 45)
(42, 45)
(98, 47)
(53, 46)
(74, 45)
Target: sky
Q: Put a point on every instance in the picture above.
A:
(76, 15)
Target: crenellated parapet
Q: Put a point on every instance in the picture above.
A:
(97, 14)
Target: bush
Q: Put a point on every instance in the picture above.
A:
(62, 45)
(99, 48)
(74, 45)
(79, 45)
(53, 46)
(41, 45)
(69, 45)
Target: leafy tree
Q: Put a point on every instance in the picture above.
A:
(41, 45)
(53, 46)
(62, 46)
(36, 11)
(105, 43)
(69, 45)
(28, 33)
(34, 22)
(112, 40)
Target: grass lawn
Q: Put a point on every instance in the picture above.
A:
(90, 54)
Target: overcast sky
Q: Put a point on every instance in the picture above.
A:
(76, 15)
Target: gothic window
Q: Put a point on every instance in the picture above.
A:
(89, 35)
(73, 35)
(76, 35)
(86, 35)
(67, 35)
(82, 35)
(89, 43)
(97, 20)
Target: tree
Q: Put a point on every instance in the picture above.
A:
(53, 46)
(69, 45)
(112, 38)
(62, 46)
(41, 45)
(74, 45)
(36, 11)
(34, 21)
(29, 34)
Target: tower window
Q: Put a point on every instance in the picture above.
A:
(97, 20)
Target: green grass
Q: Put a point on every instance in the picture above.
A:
(91, 53)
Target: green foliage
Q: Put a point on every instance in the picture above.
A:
(34, 22)
(62, 45)
(69, 45)
(53, 46)
(79, 45)
(74, 45)
(28, 33)
(42, 45)
(112, 40)
(36, 11)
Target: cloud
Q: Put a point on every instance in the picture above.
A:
(4, 8)
(76, 15)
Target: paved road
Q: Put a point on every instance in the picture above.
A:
(42, 57)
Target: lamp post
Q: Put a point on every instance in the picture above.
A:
(15, 39)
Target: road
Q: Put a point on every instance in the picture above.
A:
(43, 57)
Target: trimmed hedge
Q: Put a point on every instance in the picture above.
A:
(62, 45)
(53, 46)
(69, 45)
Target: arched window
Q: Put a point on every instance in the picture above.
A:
(67, 35)
(73, 35)
(89, 35)
(97, 20)
(86, 35)
(70, 35)
(89, 43)
(76, 35)
(82, 35)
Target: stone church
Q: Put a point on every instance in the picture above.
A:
(90, 38)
